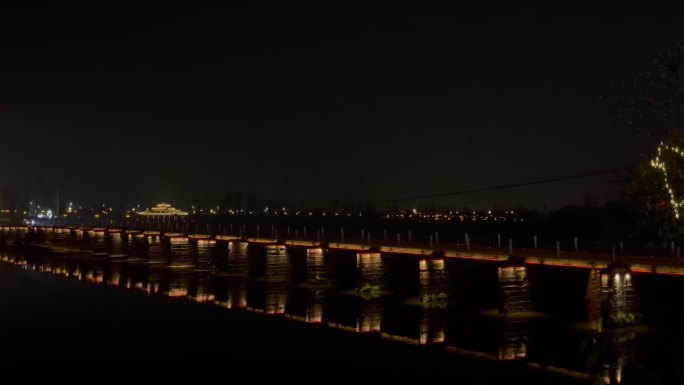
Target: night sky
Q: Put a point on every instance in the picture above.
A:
(322, 100)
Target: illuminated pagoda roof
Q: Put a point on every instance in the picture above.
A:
(163, 209)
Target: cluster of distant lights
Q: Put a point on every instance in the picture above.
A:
(457, 216)
(412, 214)
(659, 164)
(102, 210)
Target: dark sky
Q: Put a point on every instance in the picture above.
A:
(314, 101)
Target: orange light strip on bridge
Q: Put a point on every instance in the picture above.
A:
(645, 271)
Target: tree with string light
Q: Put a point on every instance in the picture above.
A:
(652, 104)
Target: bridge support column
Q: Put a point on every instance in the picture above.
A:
(179, 249)
(114, 242)
(592, 300)
(316, 267)
(514, 290)
(203, 252)
(74, 236)
(617, 296)
(238, 260)
(278, 267)
(155, 248)
(220, 253)
(98, 240)
(60, 237)
(84, 238)
(371, 273)
(135, 245)
(433, 280)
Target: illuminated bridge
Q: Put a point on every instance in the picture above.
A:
(181, 265)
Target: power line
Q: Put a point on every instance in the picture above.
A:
(506, 186)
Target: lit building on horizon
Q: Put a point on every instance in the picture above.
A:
(163, 209)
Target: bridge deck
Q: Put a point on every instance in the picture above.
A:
(587, 260)
(639, 264)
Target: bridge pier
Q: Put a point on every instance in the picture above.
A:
(4, 232)
(59, 237)
(178, 246)
(84, 238)
(155, 247)
(238, 260)
(99, 240)
(514, 289)
(371, 274)
(316, 267)
(35, 235)
(202, 252)
(136, 244)
(432, 276)
(220, 253)
(617, 296)
(277, 264)
(114, 242)
(592, 300)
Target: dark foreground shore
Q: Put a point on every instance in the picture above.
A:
(61, 329)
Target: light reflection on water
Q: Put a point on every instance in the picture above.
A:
(279, 296)
(240, 277)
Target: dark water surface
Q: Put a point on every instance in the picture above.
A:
(257, 312)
